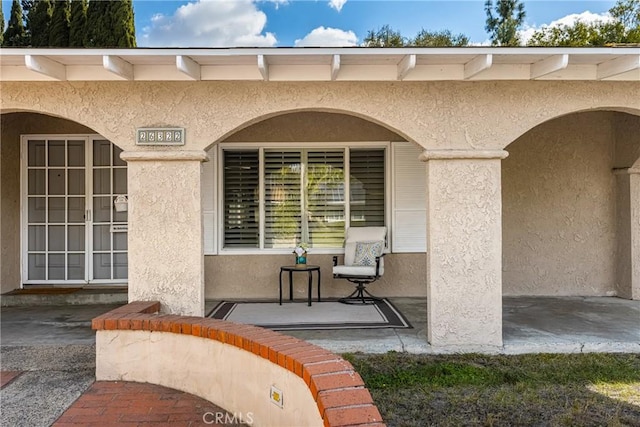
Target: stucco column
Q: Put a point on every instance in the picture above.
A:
(631, 289)
(464, 249)
(166, 258)
(634, 186)
(628, 233)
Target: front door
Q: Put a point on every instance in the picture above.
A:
(72, 233)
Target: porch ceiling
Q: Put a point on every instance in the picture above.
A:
(321, 64)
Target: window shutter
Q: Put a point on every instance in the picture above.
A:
(208, 203)
(409, 199)
(325, 198)
(282, 182)
(241, 199)
(366, 181)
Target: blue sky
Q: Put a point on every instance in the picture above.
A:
(228, 23)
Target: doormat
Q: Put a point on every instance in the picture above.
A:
(321, 315)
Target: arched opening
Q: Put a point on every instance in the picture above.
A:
(59, 223)
(293, 185)
(564, 206)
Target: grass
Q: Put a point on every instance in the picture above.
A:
(522, 390)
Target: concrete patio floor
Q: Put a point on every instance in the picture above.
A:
(530, 324)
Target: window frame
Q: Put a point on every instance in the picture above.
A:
(261, 147)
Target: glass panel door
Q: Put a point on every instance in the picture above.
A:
(109, 227)
(73, 233)
(55, 210)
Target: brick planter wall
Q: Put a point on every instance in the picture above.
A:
(338, 391)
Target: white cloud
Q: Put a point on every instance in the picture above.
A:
(337, 4)
(209, 23)
(328, 37)
(569, 20)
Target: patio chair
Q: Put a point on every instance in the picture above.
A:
(363, 263)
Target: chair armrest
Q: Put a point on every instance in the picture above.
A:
(378, 265)
(335, 260)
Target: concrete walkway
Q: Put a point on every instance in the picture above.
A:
(52, 348)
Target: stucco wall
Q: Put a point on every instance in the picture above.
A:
(559, 225)
(256, 276)
(444, 115)
(627, 136)
(623, 229)
(314, 127)
(12, 126)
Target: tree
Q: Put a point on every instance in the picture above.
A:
(110, 24)
(627, 13)
(27, 5)
(504, 25)
(59, 32)
(1, 25)
(78, 22)
(124, 30)
(98, 24)
(40, 23)
(624, 28)
(384, 37)
(16, 34)
(442, 38)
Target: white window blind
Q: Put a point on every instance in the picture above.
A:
(241, 199)
(367, 187)
(325, 198)
(282, 198)
(305, 194)
(409, 199)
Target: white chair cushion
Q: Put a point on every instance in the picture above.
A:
(360, 234)
(357, 270)
(367, 252)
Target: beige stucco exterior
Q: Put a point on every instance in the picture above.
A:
(560, 233)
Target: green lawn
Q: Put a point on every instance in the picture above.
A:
(522, 390)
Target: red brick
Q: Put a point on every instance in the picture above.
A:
(124, 323)
(343, 397)
(7, 376)
(275, 349)
(97, 323)
(352, 416)
(292, 354)
(333, 366)
(168, 322)
(155, 324)
(196, 330)
(266, 343)
(77, 411)
(323, 382)
(145, 418)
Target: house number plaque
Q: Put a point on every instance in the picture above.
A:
(160, 136)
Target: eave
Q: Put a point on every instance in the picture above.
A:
(320, 64)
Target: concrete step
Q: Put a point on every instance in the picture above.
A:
(63, 296)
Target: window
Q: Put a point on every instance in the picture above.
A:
(274, 198)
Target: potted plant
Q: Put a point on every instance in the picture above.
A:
(301, 253)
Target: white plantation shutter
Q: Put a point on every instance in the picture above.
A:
(241, 199)
(366, 181)
(208, 202)
(325, 198)
(282, 198)
(409, 199)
